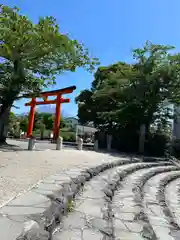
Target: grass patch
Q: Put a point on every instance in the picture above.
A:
(71, 205)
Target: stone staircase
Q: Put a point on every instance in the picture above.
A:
(121, 200)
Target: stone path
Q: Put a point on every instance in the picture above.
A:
(102, 197)
(20, 170)
(125, 202)
(21, 198)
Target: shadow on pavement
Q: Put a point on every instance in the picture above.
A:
(16, 145)
(13, 148)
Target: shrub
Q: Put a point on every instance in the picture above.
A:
(175, 148)
(125, 142)
(156, 144)
(68, 136)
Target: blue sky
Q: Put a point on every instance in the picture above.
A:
(109, 28)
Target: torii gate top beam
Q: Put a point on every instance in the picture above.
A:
(51, 93)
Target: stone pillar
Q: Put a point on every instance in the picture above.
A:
(31, 144)
(142, 138)
(80, 144)
(20, 133)
(176, 123)
(109, 141)
(17, 130)
(51, 138)
(59, 143)
(96, 145)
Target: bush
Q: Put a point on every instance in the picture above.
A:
(125, 142)
(37, 133)
(156, 144)
(68, 136)
(175, 148)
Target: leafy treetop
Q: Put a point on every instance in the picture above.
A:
(128, 95)
(32, 54)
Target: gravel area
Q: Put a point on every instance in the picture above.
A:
(20, 170)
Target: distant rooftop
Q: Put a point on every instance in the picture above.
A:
(82, 128)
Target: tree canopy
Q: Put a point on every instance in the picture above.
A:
(32, 54)
(124, 95)
(42, 120)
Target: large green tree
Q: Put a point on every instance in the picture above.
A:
(130, 95)
(32, 54)
(102, 103)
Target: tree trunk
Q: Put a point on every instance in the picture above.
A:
(4, 124)
(16, 81)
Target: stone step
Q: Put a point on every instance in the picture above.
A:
(80, 201)
(172, 195)
(155, 207)
(127, 204)
(42, 207)
(86, 217)
(90, 209)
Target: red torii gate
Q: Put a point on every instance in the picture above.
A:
(58, 101)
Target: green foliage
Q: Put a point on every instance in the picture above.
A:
(12, 120)
(71, 205)
(42, 122)
(13, 124)
(46, 120)
(156, 144)
(174, 148)
(124, 96)
(68, 136)
(133, 92)
(32, 54)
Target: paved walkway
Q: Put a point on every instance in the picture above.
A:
(84, 195)
(20, 171)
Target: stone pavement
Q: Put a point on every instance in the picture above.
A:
(103, 197)
(20, 170)
(111, 206)
(21, 198)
